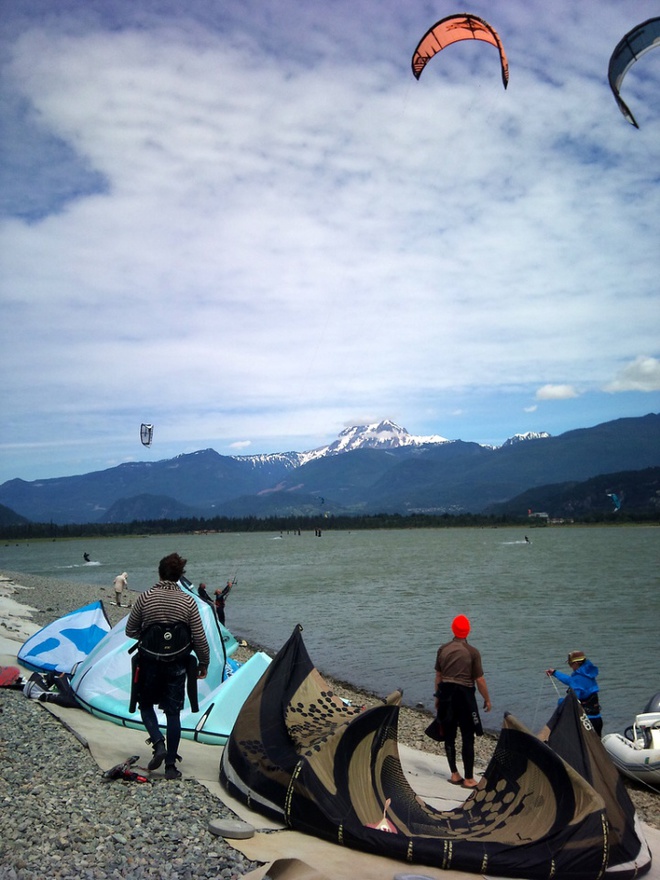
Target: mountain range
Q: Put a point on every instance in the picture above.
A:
(369, 469)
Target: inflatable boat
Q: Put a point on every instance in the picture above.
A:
(636, 752)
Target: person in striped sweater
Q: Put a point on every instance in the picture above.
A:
(164, 683)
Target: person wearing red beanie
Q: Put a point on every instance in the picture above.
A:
(458, 671)
(460, 626)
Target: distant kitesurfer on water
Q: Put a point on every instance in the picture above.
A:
(86, 557)
(582, 682)
(527, 541)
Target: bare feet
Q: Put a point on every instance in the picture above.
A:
(470, 783)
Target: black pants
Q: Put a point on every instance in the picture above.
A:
(162, 684)
(457, 710)
(467, 746)
(597, 724)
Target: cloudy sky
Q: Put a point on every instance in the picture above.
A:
(247, 223)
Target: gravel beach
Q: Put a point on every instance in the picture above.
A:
(59, 818)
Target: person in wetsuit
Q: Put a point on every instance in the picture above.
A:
(458, 671)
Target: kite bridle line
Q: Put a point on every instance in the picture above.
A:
(554, 684)
(538, 701)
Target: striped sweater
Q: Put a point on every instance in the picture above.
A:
(167, 603)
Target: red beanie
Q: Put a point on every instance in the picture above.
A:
(460, 626)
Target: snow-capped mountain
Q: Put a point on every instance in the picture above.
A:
(286, 459)
(381, 435)
(404, 474)
(530, 435)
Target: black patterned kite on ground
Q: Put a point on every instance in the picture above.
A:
(298, 754)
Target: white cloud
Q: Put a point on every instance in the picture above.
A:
(556, 392)
(240, 445)
(643, 374)
(256, 223)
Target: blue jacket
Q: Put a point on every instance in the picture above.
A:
(582, 682)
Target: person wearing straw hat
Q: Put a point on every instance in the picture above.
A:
(582, 681)
(458, 670)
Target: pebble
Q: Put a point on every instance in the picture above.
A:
(60, 819)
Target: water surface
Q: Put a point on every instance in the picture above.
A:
(375, 605)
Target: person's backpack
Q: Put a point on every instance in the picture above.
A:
(166, 641)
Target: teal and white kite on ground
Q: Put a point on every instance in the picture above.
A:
(64, 643)
(102, 681)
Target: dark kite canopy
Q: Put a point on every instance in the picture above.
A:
(299, 754)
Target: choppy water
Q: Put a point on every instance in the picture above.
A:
(375, 605)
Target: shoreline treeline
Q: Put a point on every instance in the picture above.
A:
(317, 524)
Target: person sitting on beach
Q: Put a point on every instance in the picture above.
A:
(120, 583)
(582, 681)
(457, 670)
(163, 682)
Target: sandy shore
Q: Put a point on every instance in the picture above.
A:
(28, 602)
